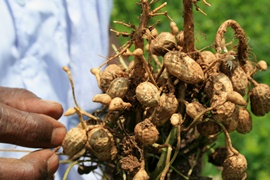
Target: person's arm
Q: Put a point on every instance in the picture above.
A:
(29, 121)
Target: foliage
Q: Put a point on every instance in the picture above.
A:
(252, 16)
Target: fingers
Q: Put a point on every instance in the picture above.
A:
(29, 129)
(37, 165)
(27, 101)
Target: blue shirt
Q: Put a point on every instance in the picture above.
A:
(39, 37)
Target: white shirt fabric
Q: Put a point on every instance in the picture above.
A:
(38, 38)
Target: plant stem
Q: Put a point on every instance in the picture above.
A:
(189, 45)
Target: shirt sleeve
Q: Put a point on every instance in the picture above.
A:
(38, 38)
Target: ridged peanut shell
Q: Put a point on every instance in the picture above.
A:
(180, 65)
(180, 38)
(163, 111)
(260, 100)
(147, 94)
(207, 57)
(101, 144)
(217, 87)
(208, 128)
(249, 68)
(234, 167)
(111, 72)
(118, 87)
(218, 157)
(231, 122)
(194, 108)
(245, 121)
(146, 132)
(162, 43)
(239, 79)
(74, 141)
(224, 111)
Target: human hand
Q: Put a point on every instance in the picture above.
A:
(29, 121)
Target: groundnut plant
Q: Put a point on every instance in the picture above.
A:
(166, 109)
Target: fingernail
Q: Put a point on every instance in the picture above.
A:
(58, 136)
(52, 164)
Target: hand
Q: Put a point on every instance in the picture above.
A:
(29, 121)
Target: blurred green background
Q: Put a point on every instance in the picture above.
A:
(254, 18)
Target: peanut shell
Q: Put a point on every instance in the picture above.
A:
(146, 132)
(163, 111)
(194, 108)
(224, 111)
(111, 72)
(217, 87)
(104, 99)
(234, 167)
(147, 94)
(208, 128)
(260, 100)
(101, 144)
(74, 141)
(118, 87)
(180, 65)
(245, 121)
(164, 42)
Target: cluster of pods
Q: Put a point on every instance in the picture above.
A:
(202, 92)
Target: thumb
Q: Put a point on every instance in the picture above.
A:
(38, 165)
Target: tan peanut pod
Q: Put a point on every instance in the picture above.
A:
(70, 111)
(154, 32)
(146, 132)
(208, 128)
(138, 52)
(164, 42)
(101, 144)
(117, 104)
(239, 80)
(234, 167)
(111, 72)
(260, 99)
(207, 57)
(224, 111)
(217, 87)
(130, 163)
(262, 65)
(167, 105)
(74, 141)
(194, 108)
(176, 119)
(249, 68)
(147, 94)
(180, 38)
(236, 98)
(141, 175)
(245, 121)
(96, 72)
(218, 157)
(118, 87)
(180, 65)
(231, 122)
(104, 99)
(174, 28)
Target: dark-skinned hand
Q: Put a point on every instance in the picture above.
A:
(29, 121)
